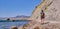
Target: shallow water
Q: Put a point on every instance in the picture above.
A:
(7, 24)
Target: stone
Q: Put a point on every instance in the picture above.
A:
(52, 13)
(51, 9)
(13, 27)
(36, 27)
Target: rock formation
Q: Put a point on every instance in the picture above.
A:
(51, 9)
(52, 13)
(13, 27)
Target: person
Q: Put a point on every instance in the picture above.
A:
(42, 16)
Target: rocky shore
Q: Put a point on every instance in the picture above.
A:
(52, 15)
(38, 25)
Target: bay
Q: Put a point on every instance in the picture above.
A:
(4, 24)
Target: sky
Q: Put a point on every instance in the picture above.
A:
(11, 8)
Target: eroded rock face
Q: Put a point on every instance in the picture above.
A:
(51, 9)
(52, 13)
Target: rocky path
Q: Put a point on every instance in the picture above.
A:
(49, 21)
(47, 25)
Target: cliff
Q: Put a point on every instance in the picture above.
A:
(51, 9)
(52, 15)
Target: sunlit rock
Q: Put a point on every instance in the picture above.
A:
(52, 15)
(13, 27)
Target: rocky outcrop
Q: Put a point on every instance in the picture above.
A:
(51, 9)
(13, 27)
(52, 13)
(40, 26)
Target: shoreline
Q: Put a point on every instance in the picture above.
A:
(13, 20)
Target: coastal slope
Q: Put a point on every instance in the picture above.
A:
(52, 16)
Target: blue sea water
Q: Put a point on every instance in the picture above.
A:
(8, 24)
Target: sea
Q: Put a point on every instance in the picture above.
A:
(5, 24)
